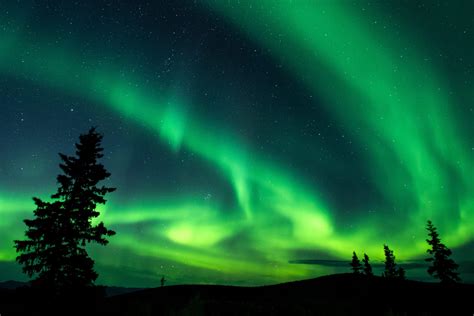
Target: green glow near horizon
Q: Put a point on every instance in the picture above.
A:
(387, 101)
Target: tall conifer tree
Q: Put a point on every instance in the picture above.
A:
(443, 267)
(55, 249)
(355, 263)
(392, 270)
(367, 266)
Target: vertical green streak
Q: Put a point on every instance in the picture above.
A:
(374, 85)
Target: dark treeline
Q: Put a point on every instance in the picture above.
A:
(442, 266)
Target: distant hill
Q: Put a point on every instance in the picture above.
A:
(12, 284)
(110, 290)
(340, 294)
(117, 290)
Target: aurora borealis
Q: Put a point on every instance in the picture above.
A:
(242, 135)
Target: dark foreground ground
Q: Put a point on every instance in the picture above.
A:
(343, 294)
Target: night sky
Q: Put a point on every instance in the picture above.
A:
(245, 135)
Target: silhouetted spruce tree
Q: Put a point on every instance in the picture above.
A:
(392, 271)
(401, 273)
(55, 248)
(443, 267)
(367, 266)
(355, 263)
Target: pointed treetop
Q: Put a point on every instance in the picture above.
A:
(355, 263)
(367, 266)
(443, 267)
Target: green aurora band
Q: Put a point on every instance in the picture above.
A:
(395, 109)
